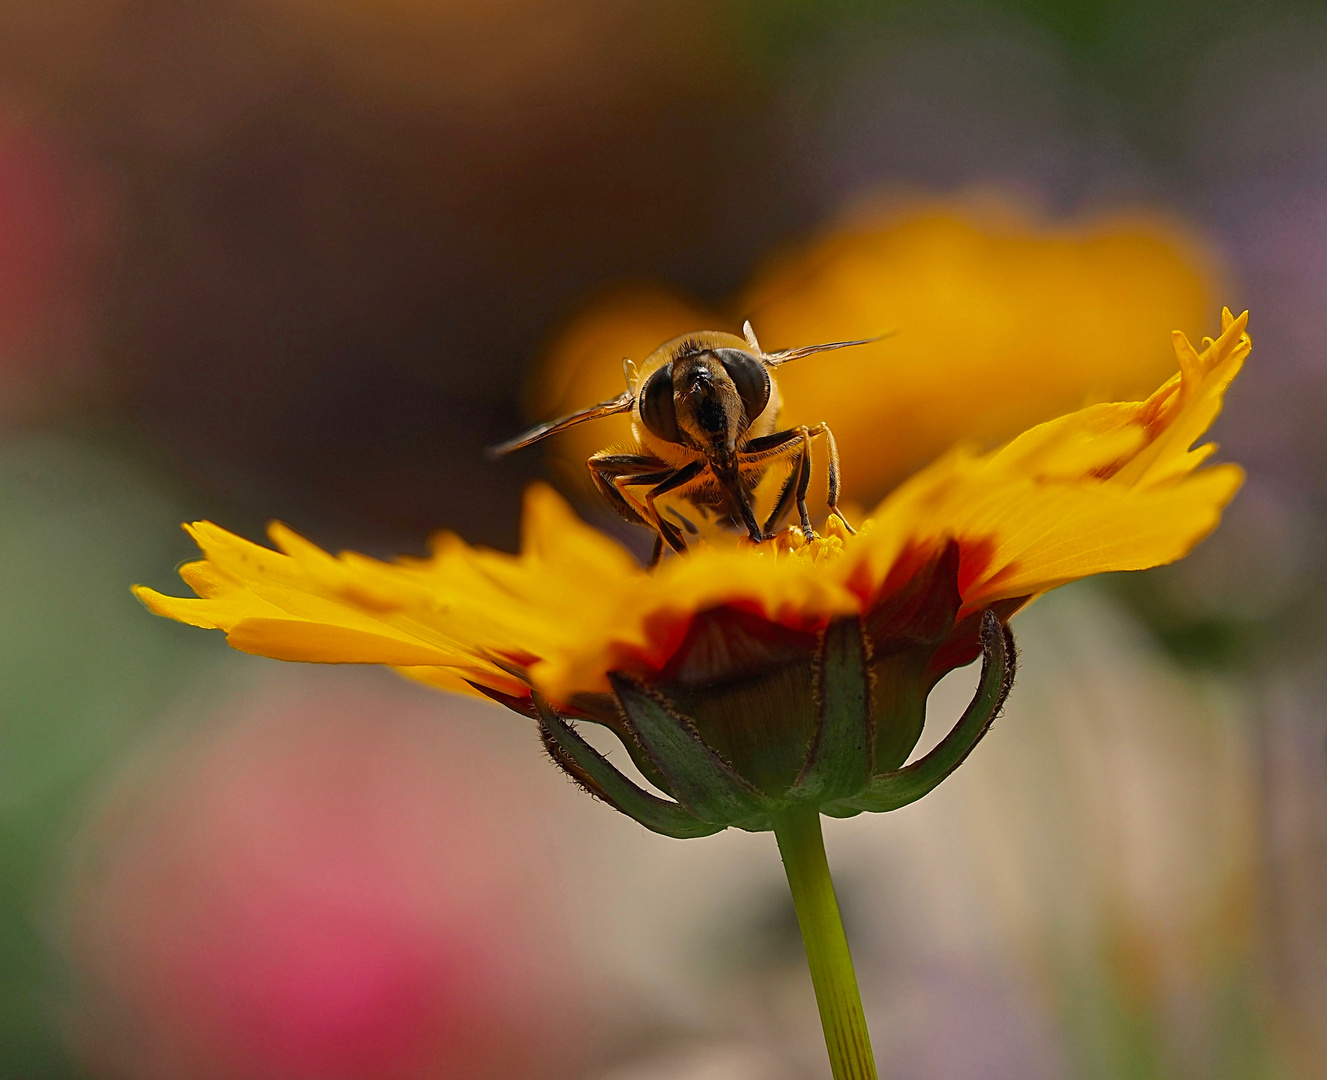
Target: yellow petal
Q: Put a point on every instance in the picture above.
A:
(324, 643)
(1109, 487)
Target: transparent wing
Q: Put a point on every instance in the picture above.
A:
(774, 359)
(618, 404)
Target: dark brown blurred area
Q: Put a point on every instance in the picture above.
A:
(344, 231)
(346, 228)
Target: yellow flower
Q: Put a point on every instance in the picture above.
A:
(574, 619)
(761, 685)
(999, 323)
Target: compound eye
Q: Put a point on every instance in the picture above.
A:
(656, 405)
(750, 378)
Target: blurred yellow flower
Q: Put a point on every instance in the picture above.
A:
(1109, 487)
(998, 323)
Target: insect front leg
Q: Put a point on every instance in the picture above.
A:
(762, 451)
(740, 500)
(767, 448)
(834, 477)
(802, 474)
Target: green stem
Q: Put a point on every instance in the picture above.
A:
(846, 1038)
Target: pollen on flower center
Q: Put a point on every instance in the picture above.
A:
(821, 548)
(790, 540)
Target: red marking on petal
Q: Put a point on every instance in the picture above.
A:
(977, 556)
(729, 642)
(922, 608)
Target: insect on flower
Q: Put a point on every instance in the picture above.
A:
(705, 411)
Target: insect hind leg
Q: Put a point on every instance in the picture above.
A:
(615, 473)
(804, 482)
(612, 473)
(606, 469)
(678, 478)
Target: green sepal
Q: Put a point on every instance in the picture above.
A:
(593, 771)
(902, 786)
(602, 709)
(696, 776)
(838, 764)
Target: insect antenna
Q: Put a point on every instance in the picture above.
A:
(619, 404)
(774, 359)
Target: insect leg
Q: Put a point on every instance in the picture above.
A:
(791, 484)
(804, 482)
(834, 476)
(743, 501)
(649, 515)
(605, 470)
(615, 473)
(769, 447)
(682, 476)
(656, 552)
(781, 443)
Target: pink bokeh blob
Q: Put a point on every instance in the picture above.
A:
(330, 887)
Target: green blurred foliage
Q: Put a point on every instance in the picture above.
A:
(1116, 34)
(85, 671)
(1141, 52)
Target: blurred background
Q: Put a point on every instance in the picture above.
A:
(302, 259)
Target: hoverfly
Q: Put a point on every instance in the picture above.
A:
(704, 410)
